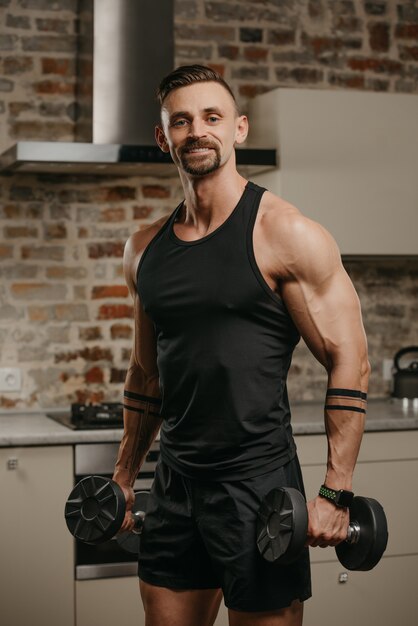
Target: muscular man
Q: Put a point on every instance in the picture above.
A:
(223, 289)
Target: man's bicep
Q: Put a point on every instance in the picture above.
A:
(328, 316)
(320, 296)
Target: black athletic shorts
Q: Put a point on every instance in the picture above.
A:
(202, 534)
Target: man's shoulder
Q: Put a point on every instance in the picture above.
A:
(140, 239)
(282, 216)
(298, 240)
(135, 247)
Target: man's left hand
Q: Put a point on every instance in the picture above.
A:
(327, 524)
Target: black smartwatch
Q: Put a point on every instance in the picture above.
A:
(340, 498)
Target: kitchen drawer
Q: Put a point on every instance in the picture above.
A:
(385, 596)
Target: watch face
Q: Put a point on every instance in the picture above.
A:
(344, 498)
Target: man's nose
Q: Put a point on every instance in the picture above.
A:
(197, 128)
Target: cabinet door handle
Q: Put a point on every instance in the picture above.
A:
(342, 578)
(12, 463)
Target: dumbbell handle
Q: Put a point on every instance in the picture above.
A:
(353, 532)
(130, 539)
(138, 518)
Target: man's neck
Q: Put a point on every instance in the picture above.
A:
(210, 199)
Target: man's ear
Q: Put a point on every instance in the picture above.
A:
(241, 130)
(161, 140)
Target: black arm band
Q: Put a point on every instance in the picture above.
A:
(140, 411)
(130, 395)
(347, 393)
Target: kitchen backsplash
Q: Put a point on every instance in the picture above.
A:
(65, 312)
(65, 315)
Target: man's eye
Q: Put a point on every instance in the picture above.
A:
(179, 123)
(213, 118)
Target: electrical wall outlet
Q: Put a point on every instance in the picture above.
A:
(10, 379)
(387, 368)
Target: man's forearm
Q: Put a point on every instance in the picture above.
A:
(142, 421)
(345, 412)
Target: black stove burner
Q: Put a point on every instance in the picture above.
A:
(92, 416)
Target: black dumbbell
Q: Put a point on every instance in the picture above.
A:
(282, 528)
(95, 510)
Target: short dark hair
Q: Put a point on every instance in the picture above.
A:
(187, 75)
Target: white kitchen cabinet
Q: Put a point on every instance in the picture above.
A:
(387, 470)
(37, 561)
(347, 159)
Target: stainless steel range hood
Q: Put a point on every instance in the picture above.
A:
(124, 48)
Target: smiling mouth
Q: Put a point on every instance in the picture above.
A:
(198, 150)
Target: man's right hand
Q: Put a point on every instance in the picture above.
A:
(128, 522)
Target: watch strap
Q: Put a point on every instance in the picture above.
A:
(340, 497)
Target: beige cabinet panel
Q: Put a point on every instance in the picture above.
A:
(385, 596)
(112, 601)
(37, 561)
(222, 619)
(108, 602)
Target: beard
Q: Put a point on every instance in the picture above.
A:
(200, 165)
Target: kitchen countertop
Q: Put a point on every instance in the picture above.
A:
(36, 429)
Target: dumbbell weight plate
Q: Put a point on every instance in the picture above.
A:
(95, 509)
(130, 540)
(282, 525)
(373, 537)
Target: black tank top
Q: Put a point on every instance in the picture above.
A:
(224, 345)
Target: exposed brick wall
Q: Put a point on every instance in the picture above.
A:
(38, 47)
(65, 312)
(65, 316)
(343, 44)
